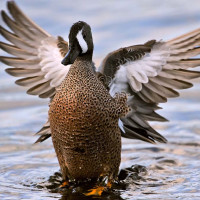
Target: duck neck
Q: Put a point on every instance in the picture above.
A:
(85, 57)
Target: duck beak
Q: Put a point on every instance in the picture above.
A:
(71, 56)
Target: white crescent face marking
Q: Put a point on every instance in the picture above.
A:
(82, 42)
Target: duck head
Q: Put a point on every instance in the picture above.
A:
(80, 42)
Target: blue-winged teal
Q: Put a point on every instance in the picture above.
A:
(90, 110)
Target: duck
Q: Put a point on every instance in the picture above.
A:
(91, 108)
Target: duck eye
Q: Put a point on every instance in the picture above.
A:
(84, 36)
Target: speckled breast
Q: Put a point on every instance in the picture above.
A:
(84, 131)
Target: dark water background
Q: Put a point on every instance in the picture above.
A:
(165, 171)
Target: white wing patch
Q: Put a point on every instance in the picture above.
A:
(120, 124)
(51, 62)
(82, 42)
(119, 83)
(138, 72)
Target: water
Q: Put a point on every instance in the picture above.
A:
(163, 171)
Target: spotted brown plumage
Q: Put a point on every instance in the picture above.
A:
(88, 107)
(84, 124)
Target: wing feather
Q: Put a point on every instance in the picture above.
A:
(26, 22)
(39, 88)
(185, 37)
(19, 62)
(185, 54)
(18, 42)
(21, 72)
(152, 96)
(30, 81)
(150, 78)
(179, 74)
(19, 31)
(13, 50)
(163, 91)
(44, 132)
(48, 94)
(171, 83)
(35, 56)
(182, 64)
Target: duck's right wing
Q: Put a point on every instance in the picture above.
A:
(35, 56)
(151, 73)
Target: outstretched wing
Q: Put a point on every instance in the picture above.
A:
(36, 55)
(151, 73)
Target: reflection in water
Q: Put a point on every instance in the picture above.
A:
(127, 177)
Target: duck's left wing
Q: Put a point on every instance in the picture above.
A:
(34, 54)
(151, 73)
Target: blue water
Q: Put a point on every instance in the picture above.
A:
(172, 169)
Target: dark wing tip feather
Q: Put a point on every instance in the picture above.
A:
(147, 135)
(44, 133)
(25, 21)
(190, 74)
(42, 138)
(39, 89)
(154, 117)
(5, 17)
(134, 133)
(6, 60)
(5, 32)
(48, 94)
(3, 13)
(12, 6)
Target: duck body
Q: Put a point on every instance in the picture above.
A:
(84, 124)
(88, 110)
